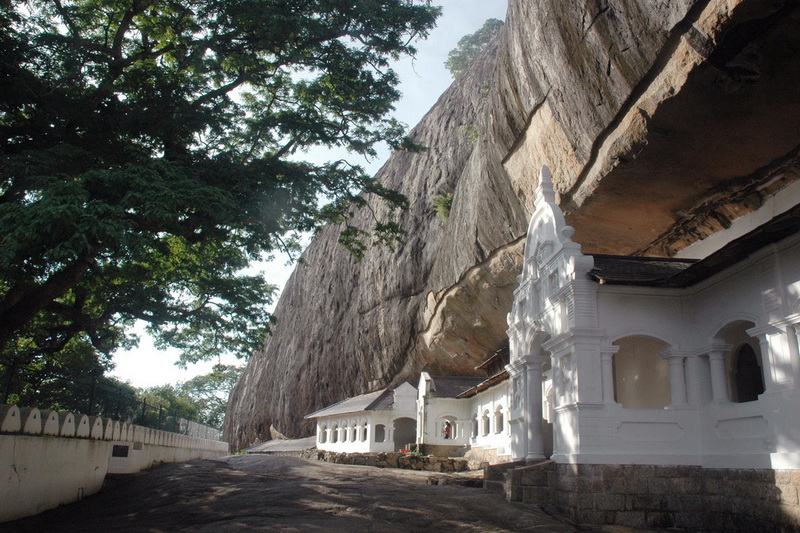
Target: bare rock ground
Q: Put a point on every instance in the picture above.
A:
(273, 493)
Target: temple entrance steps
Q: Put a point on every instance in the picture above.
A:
(520, 481)
(495, 475)
(478, 456)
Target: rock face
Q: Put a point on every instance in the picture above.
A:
(662, 122)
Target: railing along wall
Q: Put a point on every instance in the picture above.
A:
(49, 458)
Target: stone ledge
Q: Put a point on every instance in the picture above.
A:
(430, 463)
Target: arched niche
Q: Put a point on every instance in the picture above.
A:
(744, 363)
(641, 375)
(499, 421)
(380, 433)
(447, 427)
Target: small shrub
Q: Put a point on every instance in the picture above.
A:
(442, 204)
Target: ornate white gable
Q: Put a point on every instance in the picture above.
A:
(544, 303)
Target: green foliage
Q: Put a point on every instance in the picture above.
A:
(71, 379)
(149, 151)
(473, 133)
(442, 204)
(210, 392)
(470, 47)
(415, 452)
(170, 399)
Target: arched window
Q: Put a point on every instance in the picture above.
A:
(380, 433)
(447, 430)
(353, 431)
(475, 425)
(641, 375)
(485, 421)
(323, 434)
(335, 434)
(363, 431)
(748, 382)
(498, 419)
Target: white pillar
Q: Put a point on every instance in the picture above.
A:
(677, 377)
(773, 358)
(533, 407)
(607, 369)
(719, 380)
(516, 419)
(794, 352)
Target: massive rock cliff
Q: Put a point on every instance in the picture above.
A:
(662, 121)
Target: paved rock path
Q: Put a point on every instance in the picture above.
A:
(271, 493)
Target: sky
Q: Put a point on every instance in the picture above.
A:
(422, 81)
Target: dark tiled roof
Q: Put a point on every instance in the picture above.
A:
(382, 400)
(485, 384)
(680, 273)
(451, 386)
(499, 357)
(633, 270)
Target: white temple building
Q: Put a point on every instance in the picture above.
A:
(380, 421)
(622, 359)
(467, 412)
(660, 361)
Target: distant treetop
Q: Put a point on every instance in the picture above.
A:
(470, 46)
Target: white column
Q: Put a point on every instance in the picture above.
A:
(719, 379)
(607, 369)
(533, 407)
(773, 359)
(794, 352)
(677, 377)
(516, 419)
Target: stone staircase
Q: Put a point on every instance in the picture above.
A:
(495, 475)
(521, 482)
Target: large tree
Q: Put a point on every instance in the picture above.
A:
(470, 47)
(150, 149)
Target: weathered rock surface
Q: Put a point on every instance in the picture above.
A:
(661, 120)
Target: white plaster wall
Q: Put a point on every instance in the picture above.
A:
(373, 419)
(405, 406)
(143, 456)
(490, 400)
(626, 311)
(42, 473)
(764, 290)
(48, 458)
(440, 409)
(353, 446)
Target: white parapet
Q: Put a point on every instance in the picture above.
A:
(49, 458)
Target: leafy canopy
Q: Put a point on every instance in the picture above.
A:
(210, 392)
(150, 149)
(470, 46)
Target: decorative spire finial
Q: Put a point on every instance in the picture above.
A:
(544, 191)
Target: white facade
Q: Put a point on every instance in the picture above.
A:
(479, 420)
(707, 374)
(384, 421)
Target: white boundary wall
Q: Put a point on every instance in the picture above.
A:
(50, 458)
